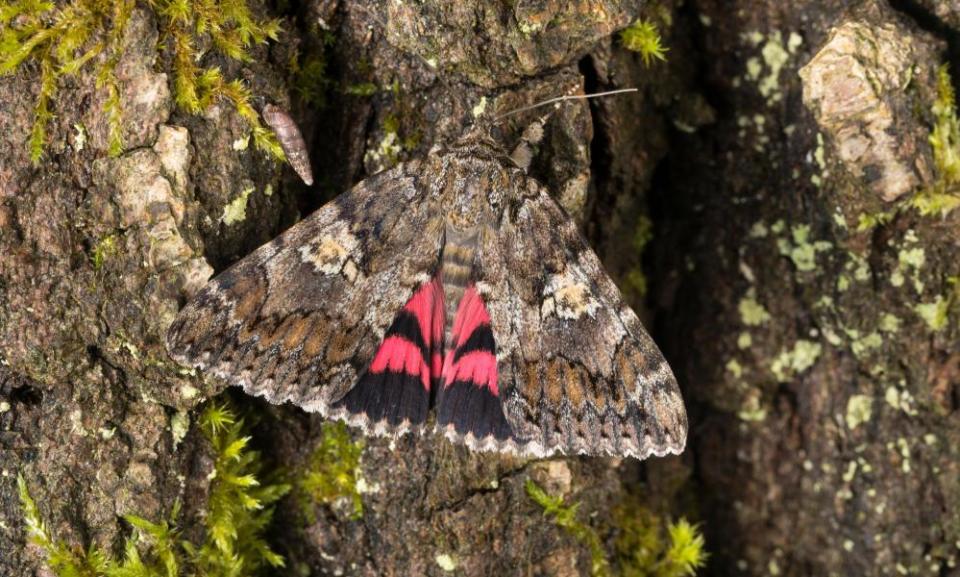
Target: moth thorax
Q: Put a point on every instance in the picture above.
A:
(457, 265)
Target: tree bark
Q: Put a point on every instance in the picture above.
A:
(725, 198)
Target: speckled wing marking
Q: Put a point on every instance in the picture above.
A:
(578, 373)
(300, 318)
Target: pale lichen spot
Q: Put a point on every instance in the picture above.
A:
(480, 107)
(571, 297)
(547, 308)
(236, 210)
(859, 411)
(241, 143)
(332, 254)
(801, 250)
(752, 313)
(734, 368)
(447, 562)
(350, 271)
(573, 301)
(935, 313)
(796, 360)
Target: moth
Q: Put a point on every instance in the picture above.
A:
(449, 293)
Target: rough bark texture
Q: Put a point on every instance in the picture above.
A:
(823, 405)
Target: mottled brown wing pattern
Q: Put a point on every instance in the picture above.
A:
(300, 318)
(578, 372)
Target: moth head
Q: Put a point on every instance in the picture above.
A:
(474, 187)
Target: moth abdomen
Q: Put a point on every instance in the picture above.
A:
(291, 141)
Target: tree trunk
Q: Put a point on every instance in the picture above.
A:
(752, 200)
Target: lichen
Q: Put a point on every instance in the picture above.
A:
(794, 361)
(734, 368)
(446, 562)
(332, 473)
(481, 107)
(889, 323)
(900, 400)
(236, 210)
(752, 313)
(391, 145)
(774, 56)
(179, 426)
(859, 410)
(752, 409)
(800, 250)
(237, 513)
(862, 345)
(934, 313)
(909, 260)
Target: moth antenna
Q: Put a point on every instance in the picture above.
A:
(564, 98)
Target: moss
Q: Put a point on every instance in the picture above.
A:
(565, 517)
(332, 472)
(104, 249)
(64, 39)
(644, 545)
(643, 37)
(867, 222)
(309, 71)
(62, 559)
(238, 512)
(942, 197)
(361, 89)
(67, 38)
(647, 546)
(636, 280)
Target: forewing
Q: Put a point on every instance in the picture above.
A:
(578, 373)
(301, 318)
